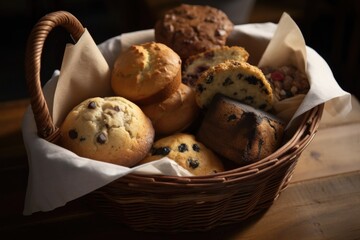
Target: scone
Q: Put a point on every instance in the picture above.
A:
(238, 80)
(146, 73)
(187, 152)
(173, 114)
(286, 81)
(199, 63)
(191, 29)
(110, 129)
(239, 132)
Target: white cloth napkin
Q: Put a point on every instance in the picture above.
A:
(57, 176)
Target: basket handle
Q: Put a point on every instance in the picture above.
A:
(44, 123)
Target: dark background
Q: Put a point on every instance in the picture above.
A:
(331, 27)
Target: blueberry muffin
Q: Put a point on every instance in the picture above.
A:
(196, 64)
(110, 129)
(191, 29)
(187, 152)
(239, 80)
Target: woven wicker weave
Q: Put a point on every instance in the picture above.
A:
(167, 203)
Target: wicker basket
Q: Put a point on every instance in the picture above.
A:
(168, 203)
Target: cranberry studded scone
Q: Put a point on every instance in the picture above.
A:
(199, 63)
(240, 132)
(110, 129)
(146, 73)
(191, 29)
(239, 80)
(287, 81)
(187, 152)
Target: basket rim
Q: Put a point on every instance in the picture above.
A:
(292, 148)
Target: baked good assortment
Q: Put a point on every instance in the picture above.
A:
(188, 75)
(287, 81)
(199, 63)
(110, 129)
(146, 73)
(240, 132)
(188, 152)
(236, 79)
(175, 113)
(191, 29)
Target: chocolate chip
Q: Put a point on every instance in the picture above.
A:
(196, 147)
(252, 80)
(227, 82)
(117, 109)
(91, 105)
(209, 79)
(201, 68)
(160, 151)
(193, 163)
(73, 134)
(101, 138)
(248, 99)
(262, 106)
(231, 117)
(183, 147)
(200, 88)
(240, 75)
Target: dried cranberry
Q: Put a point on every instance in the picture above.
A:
(277, 76)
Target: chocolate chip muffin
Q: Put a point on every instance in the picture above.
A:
(110, 129)
(187, 152)
(238, 80)
(191, 29)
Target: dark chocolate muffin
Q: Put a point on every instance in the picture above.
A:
(191, 29)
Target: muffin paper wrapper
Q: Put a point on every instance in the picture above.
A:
(57, 176)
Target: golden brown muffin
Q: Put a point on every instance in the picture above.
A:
(187, 152)
(191, 29)
(173, 114)
(196, 64)
(146, 73)
(110, 129)
(239, 132)
(238, 80)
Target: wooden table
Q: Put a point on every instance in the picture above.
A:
(321, 202)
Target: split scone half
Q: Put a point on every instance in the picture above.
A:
(235, 79)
